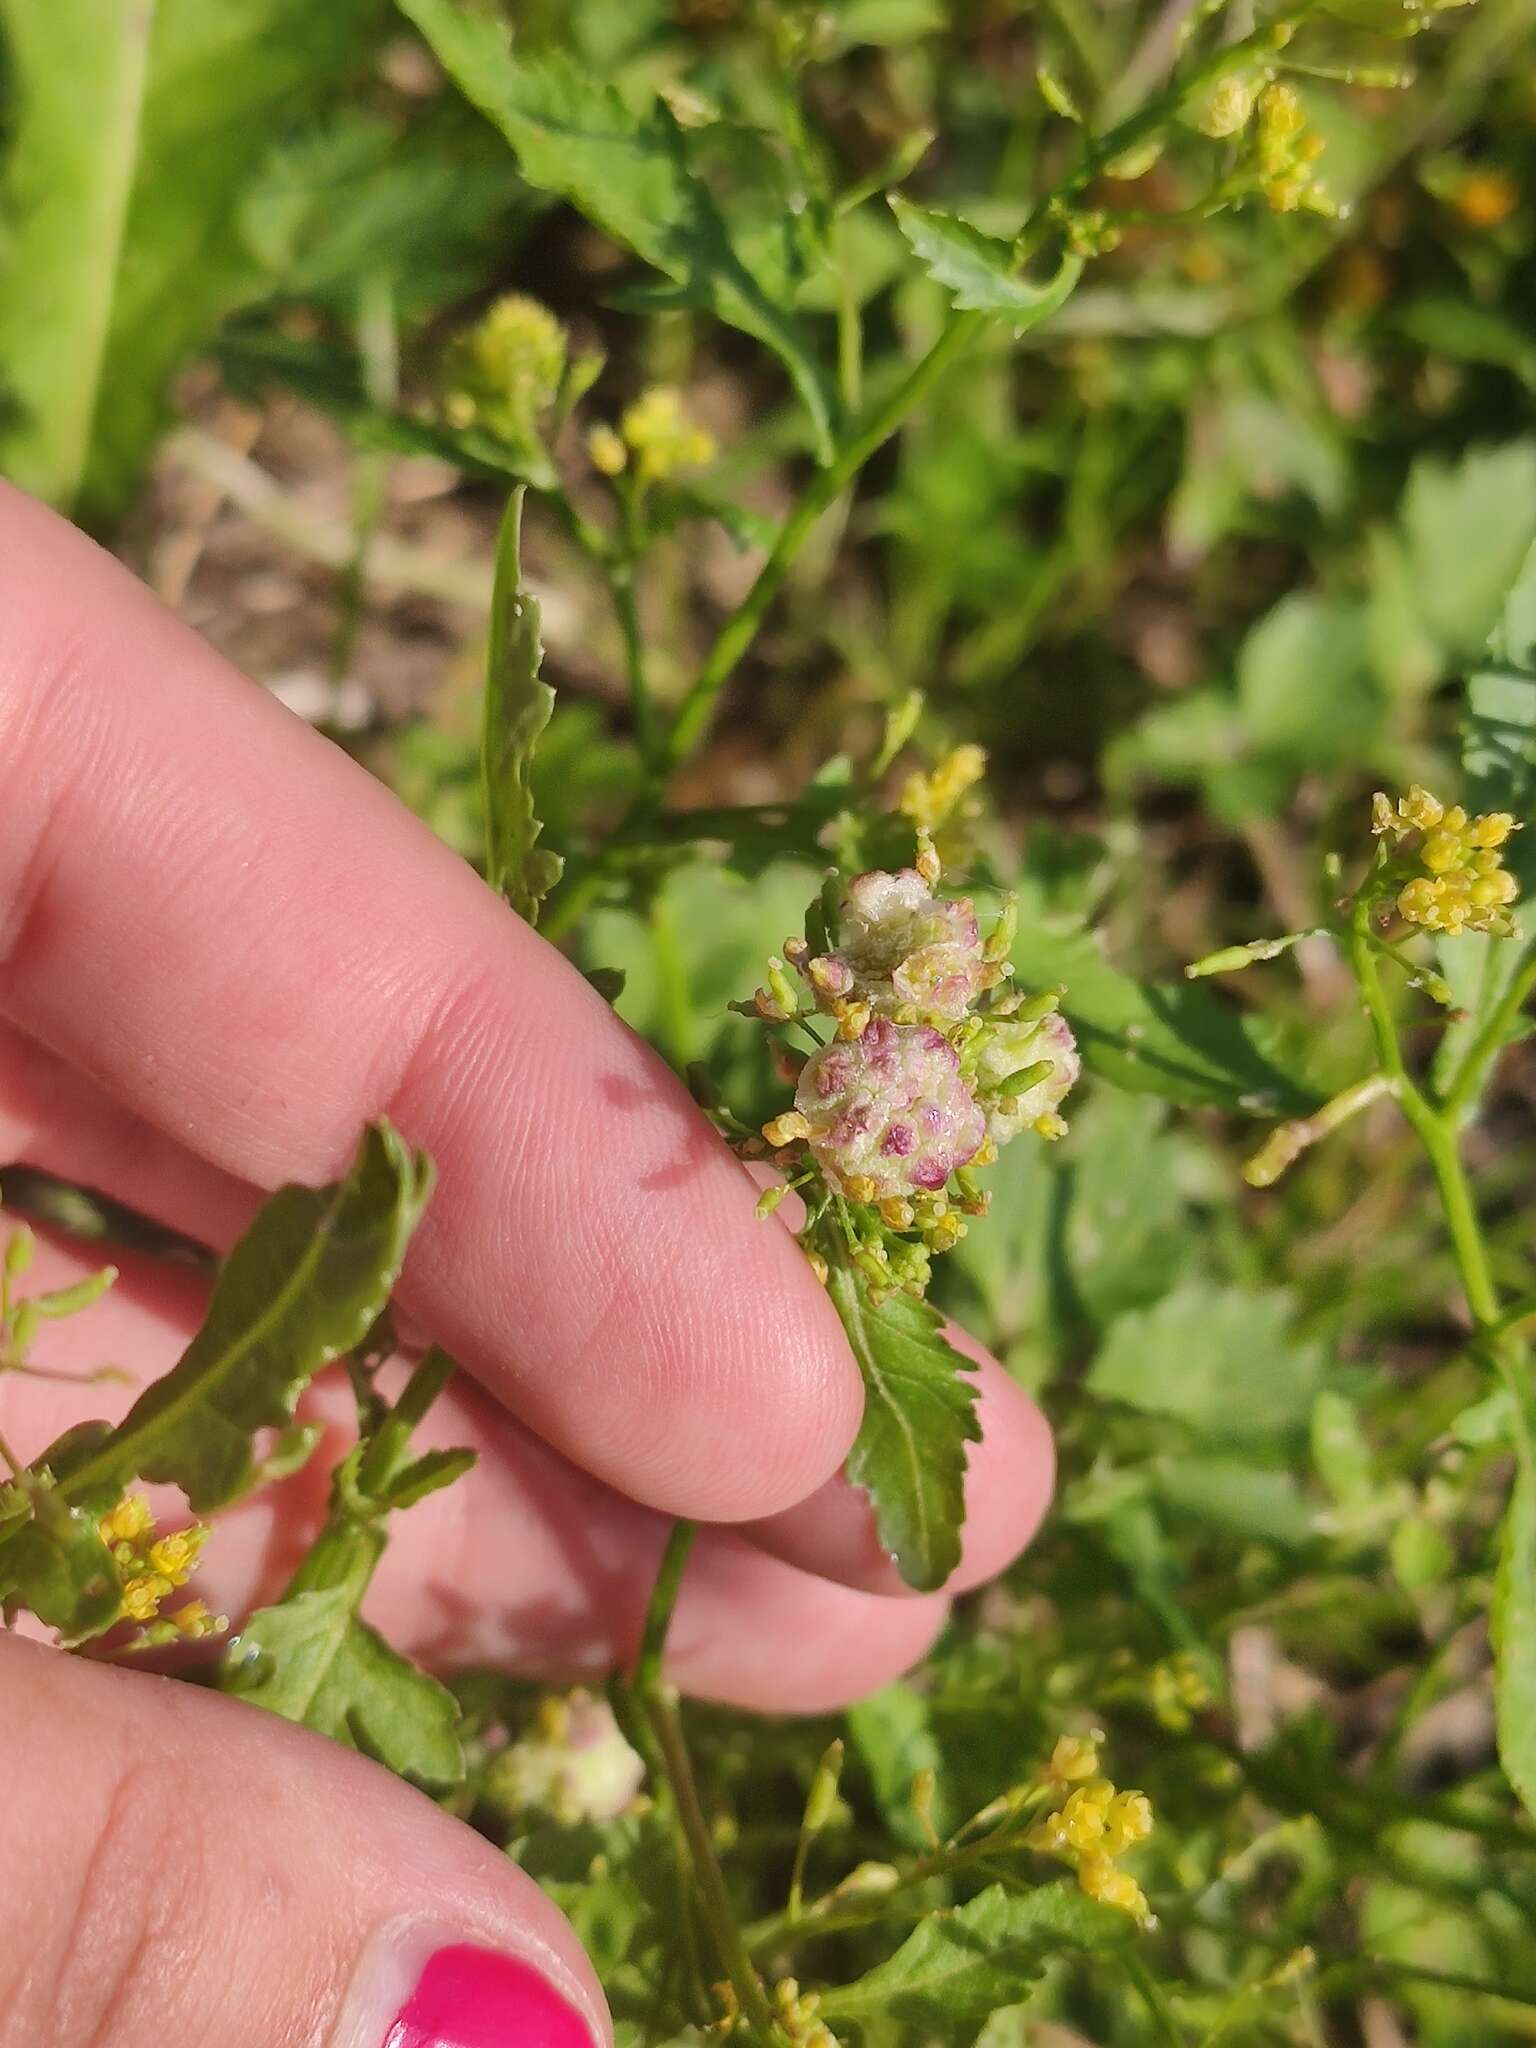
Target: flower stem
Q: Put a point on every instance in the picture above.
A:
(658, 1614)
(1436, 1129)
(828, 484)
(656, 1704)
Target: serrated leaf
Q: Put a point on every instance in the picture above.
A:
(312, 1660)
(957, 1967)
(979, 270)
(1513, 1622)
(1221, 1359)
(919, 1415)
(134, 130)
(1177, 1041)
(641, 177)
(300, 1288)
(518, 705)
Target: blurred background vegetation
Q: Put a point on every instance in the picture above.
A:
(1200, 562)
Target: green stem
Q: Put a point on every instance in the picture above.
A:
(393, 1433)
(1155, 1999)
(1435, 1128)
(661, 1716)
(658, 1615)
(621, 581)
(827, 485)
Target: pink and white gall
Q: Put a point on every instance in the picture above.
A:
(890, 1108)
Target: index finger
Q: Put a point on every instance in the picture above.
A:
(245, 939)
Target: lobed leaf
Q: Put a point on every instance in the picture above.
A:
(310, 1659)
(919, 1415)
(1192, 1352)
(301, 1288)
(642, 178)
(959, 1966)
(980, 270)
(518, 706)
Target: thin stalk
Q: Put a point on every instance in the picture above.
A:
(1155, 1999)
(719, 1915)
(621, 581)
(642, 705)
(661, 1717)
(658, 1614)
(827, 485)
(1435, 1128)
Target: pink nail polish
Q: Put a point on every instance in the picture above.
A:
(468, 1997)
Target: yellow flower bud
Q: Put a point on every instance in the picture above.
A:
(606, 451)
(1075, 1757)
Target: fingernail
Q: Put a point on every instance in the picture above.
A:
(413, 1989)
(469, 1997)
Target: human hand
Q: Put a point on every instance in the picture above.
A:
(227, 948)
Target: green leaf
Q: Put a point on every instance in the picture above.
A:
(643, 179)
(980, 270)
(1513, 1623)
(1341, 1453)
(300, 1288)
(1218, 1358)
(892, 1733)
(1467, 530)
(1305, 690)
(518, 705)
(957, 1967)
(310, 1657)
(1235, 1496)
(1498, 753)
(313, 1661)
(919, 1415)
(135, 131)
(1177, 1041)
(54, 1562)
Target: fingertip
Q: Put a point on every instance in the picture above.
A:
(812, 1648)
(1010, 1475)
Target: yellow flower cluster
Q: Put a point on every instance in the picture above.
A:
(1287, 149)
(1464, 886)
(154, 1567)
(656, 433)
(503, 373)
(1093, 1825)
(796, 2011)
(928, 800)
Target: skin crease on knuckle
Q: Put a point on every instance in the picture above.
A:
(575, 1138)
(214, 1873)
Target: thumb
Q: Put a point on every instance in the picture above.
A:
(181, 1868)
